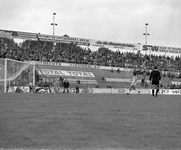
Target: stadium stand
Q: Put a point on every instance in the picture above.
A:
(72, 53)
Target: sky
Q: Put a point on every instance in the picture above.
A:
(110, 20)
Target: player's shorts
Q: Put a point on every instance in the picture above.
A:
(132, 87)
(155, 82)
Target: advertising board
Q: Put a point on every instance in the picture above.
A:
(18, 35)
(170, 91)
(116, 91)
(111, 44)
(163, 49)
(64, 73)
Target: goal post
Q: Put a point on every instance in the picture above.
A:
(15, 73)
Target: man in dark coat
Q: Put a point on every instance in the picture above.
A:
(155, 78)
(66, 85)
(77, 86)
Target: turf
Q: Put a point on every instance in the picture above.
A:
(90, 121)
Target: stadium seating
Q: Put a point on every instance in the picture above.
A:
(72, 53)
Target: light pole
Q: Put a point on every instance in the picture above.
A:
(146, 34)
(54, 24)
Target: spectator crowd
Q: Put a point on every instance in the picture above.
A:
(72, 53)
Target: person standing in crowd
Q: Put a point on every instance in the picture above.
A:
(143, 82)
(66, 86)
(133, 84)
(31, 88)
(55, 84)
(155, 78)
(77, 86)
(61, 80)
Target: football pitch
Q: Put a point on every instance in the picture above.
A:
(90, 121)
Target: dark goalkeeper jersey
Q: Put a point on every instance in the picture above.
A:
(155, 75)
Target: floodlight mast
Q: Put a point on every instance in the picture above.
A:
(146, 34)
(54, 24)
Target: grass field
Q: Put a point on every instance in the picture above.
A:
(90, 121)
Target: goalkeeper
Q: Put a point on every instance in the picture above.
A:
(155, 78)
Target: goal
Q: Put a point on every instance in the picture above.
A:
(15, 73)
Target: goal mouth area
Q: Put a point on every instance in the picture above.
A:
(13, 72)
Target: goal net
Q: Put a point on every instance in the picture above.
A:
(15, 74)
